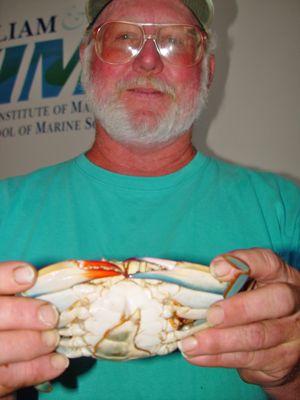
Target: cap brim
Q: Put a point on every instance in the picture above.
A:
(202, 9)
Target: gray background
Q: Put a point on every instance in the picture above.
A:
(253, 112)
(253, 115)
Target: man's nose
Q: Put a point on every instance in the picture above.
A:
(148, 60)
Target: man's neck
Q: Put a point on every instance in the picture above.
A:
(117, 157)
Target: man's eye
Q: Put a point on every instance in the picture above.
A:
(125, 36)
(174, 41)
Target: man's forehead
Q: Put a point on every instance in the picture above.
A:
(155, 11)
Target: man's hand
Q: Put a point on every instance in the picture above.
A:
(256, 331)
(27, 333)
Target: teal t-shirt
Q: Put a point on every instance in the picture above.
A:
(75, 210)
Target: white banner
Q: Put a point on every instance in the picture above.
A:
(41, 99)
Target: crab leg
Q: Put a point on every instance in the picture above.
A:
(66, 274)
(184, 333)
(189, 275)
(194, 276)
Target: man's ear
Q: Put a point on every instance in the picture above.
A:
(211, 69)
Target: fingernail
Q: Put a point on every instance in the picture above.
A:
(50, 338)
(215, 315)
(220, 268)
(23, 274)
(189, 344)
(60, 361)
(48, 315)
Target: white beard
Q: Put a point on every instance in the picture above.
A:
(122, 127)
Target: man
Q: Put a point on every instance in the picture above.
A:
(141, 190)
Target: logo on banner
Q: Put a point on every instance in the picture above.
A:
(38, 71)
(48, 53)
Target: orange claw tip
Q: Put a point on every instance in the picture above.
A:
(100, 269)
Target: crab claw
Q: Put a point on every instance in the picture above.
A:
(66, 274)
(193, 276)
(190, 275)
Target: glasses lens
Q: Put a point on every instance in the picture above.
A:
(118, 42)
(181, 45)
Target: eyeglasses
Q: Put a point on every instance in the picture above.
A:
(119, 42)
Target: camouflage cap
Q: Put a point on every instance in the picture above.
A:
(202, 9)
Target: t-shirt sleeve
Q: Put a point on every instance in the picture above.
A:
(289, 214)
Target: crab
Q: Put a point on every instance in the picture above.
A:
(140, 307)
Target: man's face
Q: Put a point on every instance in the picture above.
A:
(146, 101)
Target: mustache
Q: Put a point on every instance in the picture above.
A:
(147, 82)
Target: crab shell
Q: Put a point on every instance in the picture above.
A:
(130, 309)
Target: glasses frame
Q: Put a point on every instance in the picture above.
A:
(153, 37)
